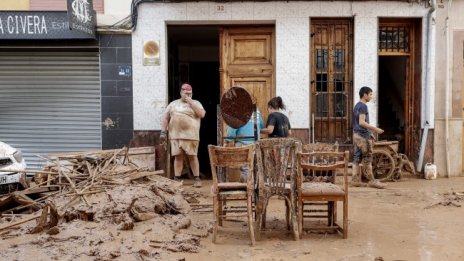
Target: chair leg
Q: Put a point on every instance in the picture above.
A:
(293, 215)
(335, 212)
(258, 216)
(263, 221)
(287, 215)
(222, 213)
(250, 220)
(300, 217)
(345, 218)
(259, 222)
(216, 217)
(296, 234)
(330, 213)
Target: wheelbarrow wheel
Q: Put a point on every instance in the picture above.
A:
(383, 165)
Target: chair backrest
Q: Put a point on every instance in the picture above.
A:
(276, 162)
(231, 157)
(312, 164)
(320, 176)
(315, 147)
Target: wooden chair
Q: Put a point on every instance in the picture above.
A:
(276, 162)
(317, 210)
(320, 186)
(222, 158)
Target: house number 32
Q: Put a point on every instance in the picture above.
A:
(220, 8)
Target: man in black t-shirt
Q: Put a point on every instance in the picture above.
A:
(363, 141)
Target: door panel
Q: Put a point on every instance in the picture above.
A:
(331, 84)
(258, 88)
(247, 61)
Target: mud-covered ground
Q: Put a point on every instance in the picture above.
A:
(413, 219)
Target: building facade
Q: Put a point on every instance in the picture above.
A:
(316, 55)
(62, 90)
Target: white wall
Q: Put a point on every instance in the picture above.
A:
(115, 10)
(456, 121)
(292, 22)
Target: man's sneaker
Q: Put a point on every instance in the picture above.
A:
(197, 182)
(376, 184)
(177, 179)
(358, 184)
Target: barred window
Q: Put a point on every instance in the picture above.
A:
(394, 39)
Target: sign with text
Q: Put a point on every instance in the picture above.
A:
(81, 16)
(24, 25)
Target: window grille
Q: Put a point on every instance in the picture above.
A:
(394, 38)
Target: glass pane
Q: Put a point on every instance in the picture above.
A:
(321, 82)
(339, 60)
(322, 59)
(322, 105)
(339, 104)
(339, 82)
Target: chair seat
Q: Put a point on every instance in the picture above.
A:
(232, 186)
(320, 188)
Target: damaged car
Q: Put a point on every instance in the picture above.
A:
(12, 169)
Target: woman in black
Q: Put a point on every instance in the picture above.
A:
(278, 125)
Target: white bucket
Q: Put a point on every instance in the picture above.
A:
(430, 171)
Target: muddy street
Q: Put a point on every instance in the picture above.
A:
(414, 219)
(410, 220)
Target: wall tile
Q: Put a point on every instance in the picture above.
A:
(117, 121)
(112, 104)
(109, 88)
(124, 55)
(114, 139)
(107, 55)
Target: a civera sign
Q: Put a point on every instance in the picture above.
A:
(82, 16)
(38, 25)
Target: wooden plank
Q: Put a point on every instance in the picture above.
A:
(42, 189)
(36, 216)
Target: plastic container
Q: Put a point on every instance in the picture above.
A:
(430, 171)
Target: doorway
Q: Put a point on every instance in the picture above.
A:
(399, 108)
(391, 102)
(193, 54)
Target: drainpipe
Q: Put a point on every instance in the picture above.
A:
(447, 89)
(429, 71)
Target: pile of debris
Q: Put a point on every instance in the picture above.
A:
(453, 199)
(113, 187)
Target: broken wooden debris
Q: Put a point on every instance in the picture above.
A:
(105, 187)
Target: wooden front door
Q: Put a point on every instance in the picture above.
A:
(331, 80)
(247, 60)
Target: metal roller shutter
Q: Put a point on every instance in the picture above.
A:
(50, 102)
